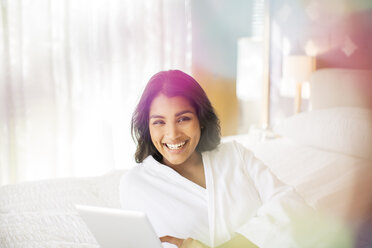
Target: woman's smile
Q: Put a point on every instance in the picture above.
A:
(177, 146)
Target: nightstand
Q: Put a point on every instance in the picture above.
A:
(259, 134)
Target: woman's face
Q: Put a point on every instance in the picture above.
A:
(174, 129)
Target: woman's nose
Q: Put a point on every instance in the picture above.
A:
(172, 131)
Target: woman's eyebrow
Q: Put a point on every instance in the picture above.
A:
(177, 114)
(184, 112)
(156, 116)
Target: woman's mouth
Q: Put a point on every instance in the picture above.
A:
(177, 146)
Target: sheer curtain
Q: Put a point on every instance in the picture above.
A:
(70, 75)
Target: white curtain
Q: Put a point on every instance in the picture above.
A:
(71, 73)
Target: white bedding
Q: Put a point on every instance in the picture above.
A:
(42, 214)
(331, 182)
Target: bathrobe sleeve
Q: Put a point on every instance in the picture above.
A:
(275, 221)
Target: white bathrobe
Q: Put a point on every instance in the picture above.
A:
(241, 196)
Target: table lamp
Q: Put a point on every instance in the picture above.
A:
(296, 71)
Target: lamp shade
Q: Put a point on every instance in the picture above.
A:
(250, 68)
(296, 69)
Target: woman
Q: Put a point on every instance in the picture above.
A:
(196, 191)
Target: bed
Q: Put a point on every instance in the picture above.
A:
(325, 154)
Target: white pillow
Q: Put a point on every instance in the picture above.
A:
(344, 129)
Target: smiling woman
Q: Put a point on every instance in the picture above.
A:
(189, 184)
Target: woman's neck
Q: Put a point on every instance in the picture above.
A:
(192, 169)
(193, 162)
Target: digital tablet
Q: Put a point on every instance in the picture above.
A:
(114, 228)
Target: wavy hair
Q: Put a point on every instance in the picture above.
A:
(174, 83)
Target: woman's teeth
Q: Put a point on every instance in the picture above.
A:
(175, 146)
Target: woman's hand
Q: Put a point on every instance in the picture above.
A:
(183, 243)
(237, 242)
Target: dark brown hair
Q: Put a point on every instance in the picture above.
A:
(174, 83)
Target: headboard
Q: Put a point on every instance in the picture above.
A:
(333, 87)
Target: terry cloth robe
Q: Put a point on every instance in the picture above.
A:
(241, 196)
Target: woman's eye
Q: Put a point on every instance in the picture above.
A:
(158, 122)
(182, 119)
